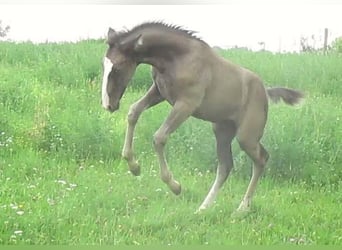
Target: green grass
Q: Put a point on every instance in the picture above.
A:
(63, 180)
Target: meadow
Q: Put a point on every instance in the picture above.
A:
(63, 182)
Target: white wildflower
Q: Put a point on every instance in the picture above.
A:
(20, 212)
(51, 201)
(63, 182)
(14, 206)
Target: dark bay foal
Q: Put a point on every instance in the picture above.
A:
(197, 82)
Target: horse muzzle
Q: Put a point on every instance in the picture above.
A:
(111, 108)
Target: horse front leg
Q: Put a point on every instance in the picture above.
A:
(151, 98)
(179, 113)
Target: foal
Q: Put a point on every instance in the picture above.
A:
(197, 82)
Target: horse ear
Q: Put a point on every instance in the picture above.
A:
(111, 36)
(139, 43)
(132, 44)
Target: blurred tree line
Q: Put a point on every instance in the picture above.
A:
(337, 45)
(313, 43)
(3, 29)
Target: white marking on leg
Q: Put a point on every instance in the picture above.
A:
(247, 199)
(108, 66)
(210, 198)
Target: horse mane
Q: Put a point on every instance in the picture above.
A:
(159, 25)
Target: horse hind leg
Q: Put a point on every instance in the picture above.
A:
(224, 133)
(259, 156)
(248, 136)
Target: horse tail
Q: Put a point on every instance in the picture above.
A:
(289, 96)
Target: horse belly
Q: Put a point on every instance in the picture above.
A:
(222, 102)
(216, 111)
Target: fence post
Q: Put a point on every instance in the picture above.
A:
(325, 40)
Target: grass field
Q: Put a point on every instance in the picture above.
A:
(63, 180)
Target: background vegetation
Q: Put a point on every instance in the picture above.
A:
(63, 180)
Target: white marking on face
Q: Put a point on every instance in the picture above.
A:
(107, 68)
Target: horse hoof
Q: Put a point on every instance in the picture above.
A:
(240, 213)
(175, 187)
(135, 169)
(200, 210)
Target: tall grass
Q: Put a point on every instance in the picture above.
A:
(63, 180)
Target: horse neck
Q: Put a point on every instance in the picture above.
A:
(161, 49)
